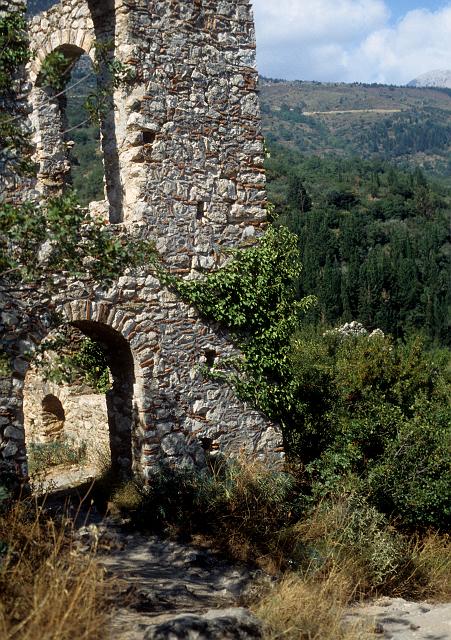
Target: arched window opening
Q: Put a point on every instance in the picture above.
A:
(119, 398)
(53, 417)
(82, 134)
(70, 134)
(74, 149)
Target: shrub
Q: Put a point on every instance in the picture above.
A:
(241, 506)
(375, 416)
(346, 532)
(412, 477)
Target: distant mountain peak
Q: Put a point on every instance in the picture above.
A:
(440, 78)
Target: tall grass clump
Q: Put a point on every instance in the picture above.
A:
(242, 507)
(347, 533)
(48, 590)
(304, 608)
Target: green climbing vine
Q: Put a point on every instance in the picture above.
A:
(255, 297)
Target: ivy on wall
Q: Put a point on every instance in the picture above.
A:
(15, 148)
(13, 47)
(254, 296)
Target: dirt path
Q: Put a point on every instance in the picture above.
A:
(333, 113)
(180, 591)
(167, 587)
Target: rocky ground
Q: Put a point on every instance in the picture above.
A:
(397, 619)
(171, 590)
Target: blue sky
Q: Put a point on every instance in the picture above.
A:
(390, 41)
(401, 7)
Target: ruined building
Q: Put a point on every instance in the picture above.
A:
(183, 163)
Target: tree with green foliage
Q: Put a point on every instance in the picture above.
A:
(297, 196)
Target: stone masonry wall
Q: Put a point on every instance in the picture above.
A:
(184, 166)
(84, 421)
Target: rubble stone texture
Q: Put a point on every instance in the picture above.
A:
(183, 160)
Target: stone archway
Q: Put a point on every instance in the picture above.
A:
(104, 426)
(119, 399)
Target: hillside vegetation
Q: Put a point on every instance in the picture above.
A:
(410, 126)
(375, 241)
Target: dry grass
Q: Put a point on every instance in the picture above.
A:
(345, 551)
(430, 575)
(313, 605)
(347, 532)
(48, 590)
(305, 608)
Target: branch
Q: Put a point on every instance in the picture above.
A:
(76, 126)
(5, 273)
(49, 100)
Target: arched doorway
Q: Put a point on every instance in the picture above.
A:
(78, 407)
(119, 398)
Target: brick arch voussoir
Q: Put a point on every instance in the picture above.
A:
(102, 313)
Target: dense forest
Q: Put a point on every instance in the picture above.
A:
(375, 240)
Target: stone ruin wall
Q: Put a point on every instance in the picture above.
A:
(183, 158)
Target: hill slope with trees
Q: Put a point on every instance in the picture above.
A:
(406, 125)
(375, 240)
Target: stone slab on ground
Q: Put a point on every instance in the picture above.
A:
(399, 619)
(219, 624)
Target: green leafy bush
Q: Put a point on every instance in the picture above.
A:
(412, 477)
(375, 416)
(13, 47)
(58, 237)
(255, 297)
(51, 454)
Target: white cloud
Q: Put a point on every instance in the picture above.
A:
(420, 42)
(349, 40)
